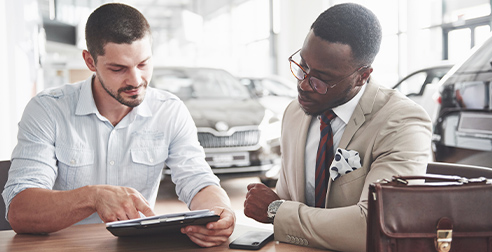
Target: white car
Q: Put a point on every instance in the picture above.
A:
(421, 86)
(273, 92)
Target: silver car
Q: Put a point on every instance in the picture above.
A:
(239, 135)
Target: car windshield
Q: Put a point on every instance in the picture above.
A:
(480, 61)
(277, 88)
(199, 83)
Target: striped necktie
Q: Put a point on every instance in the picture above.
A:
(324, 158)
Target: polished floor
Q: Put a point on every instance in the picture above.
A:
(167, 201)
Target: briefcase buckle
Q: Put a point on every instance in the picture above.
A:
(443, 240)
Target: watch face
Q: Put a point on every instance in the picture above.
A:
(273, 207)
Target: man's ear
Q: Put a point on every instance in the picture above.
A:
(89, 61)
(364, 76)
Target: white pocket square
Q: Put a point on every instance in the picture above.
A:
(345, 161)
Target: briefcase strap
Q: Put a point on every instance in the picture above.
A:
(442, 180)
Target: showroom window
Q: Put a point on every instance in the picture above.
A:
(465, 25)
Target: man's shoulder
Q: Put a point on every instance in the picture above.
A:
(388, 97)
(397, 100)
(56, 93)
(391, 102)
(158, 95)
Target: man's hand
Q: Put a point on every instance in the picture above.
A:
(115, 203)
(258, 198)
(214, 233)
(37, 210)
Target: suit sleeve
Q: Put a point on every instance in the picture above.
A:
(281, 186)
(286, 145)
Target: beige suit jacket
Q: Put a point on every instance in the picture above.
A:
(393, 137)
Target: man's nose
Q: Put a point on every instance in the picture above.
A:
(304, 84)
(134, 77)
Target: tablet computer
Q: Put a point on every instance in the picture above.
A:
(166, 223)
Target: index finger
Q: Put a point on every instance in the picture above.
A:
(143, 207)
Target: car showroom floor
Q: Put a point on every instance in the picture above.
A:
(167, 201)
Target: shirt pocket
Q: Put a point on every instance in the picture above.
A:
(75, 167)
(147, 166)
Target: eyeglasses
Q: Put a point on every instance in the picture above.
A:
(321, 87)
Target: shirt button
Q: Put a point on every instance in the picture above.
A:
(151, 159)
(111, 162)
(72, 161)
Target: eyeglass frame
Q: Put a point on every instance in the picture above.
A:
(310, 76)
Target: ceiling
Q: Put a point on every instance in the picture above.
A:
(163, 15)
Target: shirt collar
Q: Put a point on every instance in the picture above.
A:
(144, 109)
(345, 111)
(86, 104)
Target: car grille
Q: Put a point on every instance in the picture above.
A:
(237, 139)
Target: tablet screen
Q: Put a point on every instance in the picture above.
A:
(161, 223)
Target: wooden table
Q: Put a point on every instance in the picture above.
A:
(95, 237)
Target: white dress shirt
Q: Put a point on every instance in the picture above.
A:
(338, 124)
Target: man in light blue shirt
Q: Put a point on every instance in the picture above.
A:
(94, 151)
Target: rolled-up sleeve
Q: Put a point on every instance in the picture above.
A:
(33, 159)
(189, 170)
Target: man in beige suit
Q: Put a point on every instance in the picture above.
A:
(385, 132)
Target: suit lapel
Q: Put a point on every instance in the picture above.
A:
(358, 118)
(301, 151)
(364, 107)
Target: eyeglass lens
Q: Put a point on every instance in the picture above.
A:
(316, 84)
(320, 86)
(297, 71)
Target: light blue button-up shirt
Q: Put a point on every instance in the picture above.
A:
(65, 143)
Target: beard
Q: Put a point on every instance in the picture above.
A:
(342, 98)
(131, 101)
(308, 113)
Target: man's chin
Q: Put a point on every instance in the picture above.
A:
(135, 102)
(132, 101)
(309, 112)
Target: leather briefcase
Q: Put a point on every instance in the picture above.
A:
(444, 213)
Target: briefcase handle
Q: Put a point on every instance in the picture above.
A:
(442, 180)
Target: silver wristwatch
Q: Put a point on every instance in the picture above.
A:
(272, 209)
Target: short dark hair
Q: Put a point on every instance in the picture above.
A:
(116, 23)
(353, 25)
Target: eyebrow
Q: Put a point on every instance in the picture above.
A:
(331, 75)
(119, 65)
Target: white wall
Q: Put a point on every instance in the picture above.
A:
(6, 124)
(296, 18)
(19, 25)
